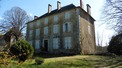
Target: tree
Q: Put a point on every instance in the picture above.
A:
(22, 50)
(115, 45)
(112, 14)
(14, 18)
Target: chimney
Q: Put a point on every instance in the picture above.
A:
(49, 8)
(88, 9)
(58, 5)
(35, 17)
(81, 4)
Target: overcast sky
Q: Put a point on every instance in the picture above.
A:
(39, 7)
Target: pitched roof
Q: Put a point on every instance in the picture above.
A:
(68, 7)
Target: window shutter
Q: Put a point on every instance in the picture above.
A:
(69, 42)
(69, 27)
(64, 27)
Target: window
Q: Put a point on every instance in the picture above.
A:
(67, 15)
(88, 18)
(37, 33)
(55, 43)
(46, 21)
(38, 23)
(31, 25)
(55, 29)
(31, 42)
(67, 27)
(56, 18)
(67, 42)
(89, 29)
(30, 34)
(37, 45)
(45, 30)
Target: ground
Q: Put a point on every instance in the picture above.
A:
(76, 61)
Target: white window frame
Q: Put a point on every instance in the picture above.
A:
(38, 23)
(67, 28)
(31, 42)
(31, 25)
(67, 15)
(46, 21)
(46, 30)
(67, 42)
(37, 33)
(30, 34)
(37, 44)
(55, 18)
(55, 43)
(55, 28)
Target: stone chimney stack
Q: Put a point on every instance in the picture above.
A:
(35, 17)
(81, 4)
(88, 9)
(58, 5)
(49, 8)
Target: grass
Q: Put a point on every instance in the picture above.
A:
(77, 61)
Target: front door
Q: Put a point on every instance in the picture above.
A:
(45, 45)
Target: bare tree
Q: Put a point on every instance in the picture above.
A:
(112, 14)
(14, 18)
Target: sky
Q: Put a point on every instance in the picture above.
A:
(40, 7)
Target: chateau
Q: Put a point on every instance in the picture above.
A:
(67, 29)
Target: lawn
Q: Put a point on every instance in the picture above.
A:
(77, 61)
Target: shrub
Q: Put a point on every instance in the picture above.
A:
(115, 45)
(22, 49)
(39, 60)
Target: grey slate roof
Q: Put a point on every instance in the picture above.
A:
(68, 7)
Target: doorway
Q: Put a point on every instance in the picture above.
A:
(46, 45)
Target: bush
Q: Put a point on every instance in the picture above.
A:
(39, 60)
(22, 49)
(115, 45)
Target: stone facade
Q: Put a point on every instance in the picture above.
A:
(69, 29)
